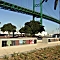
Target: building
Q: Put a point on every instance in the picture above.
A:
(42, 34)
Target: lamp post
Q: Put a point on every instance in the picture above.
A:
(57, 29)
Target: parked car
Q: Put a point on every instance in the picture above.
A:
(56, 35)
(39, 37)
(2, 35)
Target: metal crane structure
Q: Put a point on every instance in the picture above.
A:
(15, 8)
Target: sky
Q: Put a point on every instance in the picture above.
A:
(19, 19)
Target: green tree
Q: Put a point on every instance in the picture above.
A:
(8, 27)
(22, 30)
(32, 27)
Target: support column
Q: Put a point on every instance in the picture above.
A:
(41, 11)
(0, 28)
(33, 8)
(59, 16)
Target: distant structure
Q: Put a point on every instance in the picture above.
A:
(41, 34)
(6, 32)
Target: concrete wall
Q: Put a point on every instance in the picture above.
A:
(0, 43)
(47, 40)
(44, 40)
(6, 39)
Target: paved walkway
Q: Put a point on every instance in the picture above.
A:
(23, 48)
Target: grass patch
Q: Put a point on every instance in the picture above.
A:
(49, 53)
